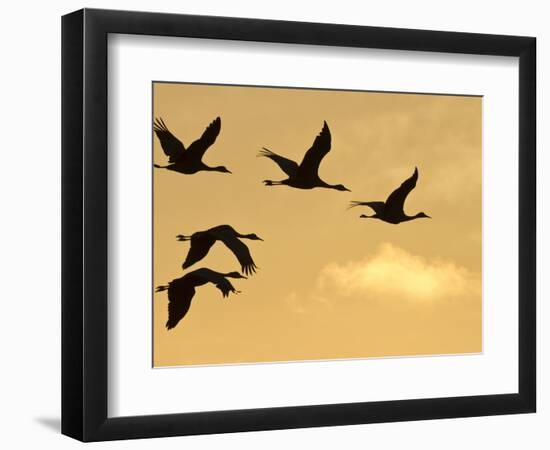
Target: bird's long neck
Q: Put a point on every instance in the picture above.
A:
(229, 275)
(215, 169)
(329, 186)
(407, 218)
(245, 236)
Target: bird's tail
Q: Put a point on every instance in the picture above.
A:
(161, 288)
(355, 203)
(181, 237)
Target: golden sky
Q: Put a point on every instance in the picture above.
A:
(330, 285)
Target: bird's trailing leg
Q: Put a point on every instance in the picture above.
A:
(364, 216)
(160, 167)
(272, 183)
(161, 288)
(181, 237)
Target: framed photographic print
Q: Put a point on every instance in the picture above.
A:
(273, 224)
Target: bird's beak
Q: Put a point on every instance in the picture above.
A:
(346, 189)
(260, 239)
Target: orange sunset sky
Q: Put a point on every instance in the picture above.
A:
(330, 285)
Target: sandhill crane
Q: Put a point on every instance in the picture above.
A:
(391, 210)
(305, 175)
(202, 241)
(181, 291)
(187, 161)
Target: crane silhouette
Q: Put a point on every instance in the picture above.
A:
(391, 210)
(182, 290)
(305, 175)
(202, 241)
(187, 161)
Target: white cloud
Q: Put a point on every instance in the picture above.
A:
(394, 273)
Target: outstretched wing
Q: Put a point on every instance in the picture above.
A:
(377, 207)
(171, 145)
(179, 298)
(313, 157)
(198, 148)
(200, 246)
(287, 165)
(240, 250)
(225, 287)
(216, 279)
(396, 199)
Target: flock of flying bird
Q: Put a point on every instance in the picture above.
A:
(300, 176)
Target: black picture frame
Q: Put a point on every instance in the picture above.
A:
(84, 224)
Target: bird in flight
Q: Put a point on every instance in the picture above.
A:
(305, 175)
(182, 290)
(187, 161)
(202, 241)
(391, 210)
